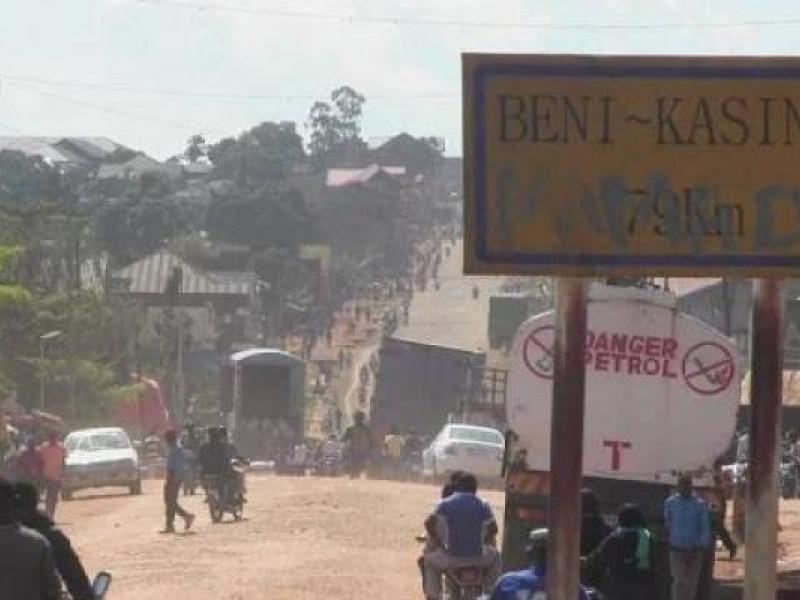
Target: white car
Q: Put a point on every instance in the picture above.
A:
(478, 450)
(102, 457)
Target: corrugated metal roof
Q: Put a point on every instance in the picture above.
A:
(344, 177)
(150, 276)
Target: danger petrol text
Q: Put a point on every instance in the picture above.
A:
(651, 356)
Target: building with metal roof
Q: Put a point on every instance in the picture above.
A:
(151, 275)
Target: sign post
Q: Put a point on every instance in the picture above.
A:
(766, 402)
(566, 439)
(599, 166)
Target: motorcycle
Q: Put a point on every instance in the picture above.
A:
(100, 585)
(222, 496)
(465, 583)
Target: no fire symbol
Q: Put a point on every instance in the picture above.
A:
(537, 351)
(708, 368)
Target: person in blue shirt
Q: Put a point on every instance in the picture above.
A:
(176, 466)
(689, 525)
(530, 584)
(462, 530)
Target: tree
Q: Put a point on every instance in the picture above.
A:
(264, 154)
(195, 148)
(336, 128)
(349, 110)
(272, 215)
(27, 182)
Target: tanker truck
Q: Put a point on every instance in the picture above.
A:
(662, 392)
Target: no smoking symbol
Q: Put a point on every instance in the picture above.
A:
(537, 352)
(708, 368)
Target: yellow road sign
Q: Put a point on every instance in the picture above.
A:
(601, 165)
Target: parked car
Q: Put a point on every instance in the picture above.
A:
(102, 457)
(478, 450)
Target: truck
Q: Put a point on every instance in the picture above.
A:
(662, 392)
(420, 385)
(263, 401)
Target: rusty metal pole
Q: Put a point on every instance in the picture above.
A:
(766, 404)
(566, 440)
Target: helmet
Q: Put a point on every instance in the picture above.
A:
(538, 539)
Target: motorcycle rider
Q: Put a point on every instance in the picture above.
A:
(359, 443)
(530, 583)
(66, 560)
(463, 529)
(27, 567)
(216, 458)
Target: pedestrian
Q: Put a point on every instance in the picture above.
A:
(625, 557)
(27, 566)
(68, 564)
(689, 526)
(54, 456)
(29, 465)
(176, 466)
(594, 530)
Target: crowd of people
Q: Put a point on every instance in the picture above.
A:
(618, 561)
(40, 464)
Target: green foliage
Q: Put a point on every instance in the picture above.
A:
(27, 182)
(195, 148)
(267, 216)
(264, 154)
(336, 129)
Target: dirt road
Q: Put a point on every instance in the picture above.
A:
(303, 538)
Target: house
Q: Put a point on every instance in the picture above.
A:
(339, 178)
(217, 304)
(417, 155)
(135, 167)
(66, 153)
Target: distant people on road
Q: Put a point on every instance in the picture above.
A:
(689, 525)
(625, 558)
(359, 445)
(27, 566)
(532, 582)
(464, 530)
(54, 456)
(67, 563)
(393, 446)
(29, 465)
(176, 467)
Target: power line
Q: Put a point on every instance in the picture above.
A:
(206, 94)
(114, 111)
(429, 22)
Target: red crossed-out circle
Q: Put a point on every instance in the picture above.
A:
(708, 368)
(537, 351)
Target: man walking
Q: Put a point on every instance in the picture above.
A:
(176, 467)
(53, 457)
(689, 525)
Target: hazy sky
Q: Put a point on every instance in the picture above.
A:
(90, 67)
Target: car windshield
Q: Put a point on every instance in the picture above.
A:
(468, 434)
(71, 444)
(109, 441)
